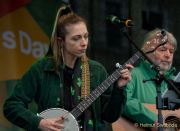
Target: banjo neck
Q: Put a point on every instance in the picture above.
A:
(85, 103)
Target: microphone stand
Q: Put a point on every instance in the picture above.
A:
(159, 78)
(170, 98)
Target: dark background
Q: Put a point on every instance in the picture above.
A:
(108, 44)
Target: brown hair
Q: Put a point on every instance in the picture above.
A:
(65, 16)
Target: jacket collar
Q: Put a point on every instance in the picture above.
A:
(49, 64)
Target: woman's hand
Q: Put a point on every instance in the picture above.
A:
(125, 76)
(52, 124)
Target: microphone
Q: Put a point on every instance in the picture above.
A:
(123, 22)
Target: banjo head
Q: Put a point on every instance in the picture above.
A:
(70, 123)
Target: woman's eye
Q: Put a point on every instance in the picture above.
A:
(76, 38)
(86, 37)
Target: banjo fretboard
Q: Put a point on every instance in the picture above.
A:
(84, 104)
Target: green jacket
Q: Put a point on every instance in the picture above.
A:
(139, 93)
(42, 84)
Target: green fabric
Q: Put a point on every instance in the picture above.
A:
(139, 93)
(72, 86)
(42, 84)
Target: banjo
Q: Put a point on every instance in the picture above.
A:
(70, 122)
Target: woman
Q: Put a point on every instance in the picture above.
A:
(63, 78)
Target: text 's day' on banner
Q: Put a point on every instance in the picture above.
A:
(22, 41)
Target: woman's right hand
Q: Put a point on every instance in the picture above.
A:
(52, 124)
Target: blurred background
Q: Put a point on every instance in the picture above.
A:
(26, 25)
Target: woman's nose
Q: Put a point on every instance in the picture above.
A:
(84, 42)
